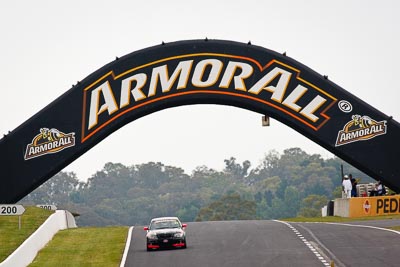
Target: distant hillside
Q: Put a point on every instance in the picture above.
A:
(282, 185)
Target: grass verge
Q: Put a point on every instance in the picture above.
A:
(396, 228)
(86, 246)
(10, 234)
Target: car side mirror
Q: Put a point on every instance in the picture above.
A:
(184, 225)
(146, 228)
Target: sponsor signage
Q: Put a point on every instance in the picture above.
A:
(374, 206)
(10, 210)
(275, 84)
(366, 206)
(198, 72)
(360, 128)
(49, 141)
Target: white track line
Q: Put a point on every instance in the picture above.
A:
(308, 244)
(342, 224)
(333, 257)
(127, 245)
(366, 226)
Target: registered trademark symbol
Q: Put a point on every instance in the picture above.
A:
(345, 106)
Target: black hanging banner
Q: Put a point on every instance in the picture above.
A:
(198, 72)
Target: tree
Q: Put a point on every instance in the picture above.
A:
(229, 207)
(55, 191)
(268, 168)
(311, 206)
(285, 207)
(337, 193)
(281, 186)
(113, 181)
(152, 174)
(237, 171)
(292, 201)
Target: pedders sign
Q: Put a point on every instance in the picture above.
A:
(367, 206)
(374, 206)
(275, 84)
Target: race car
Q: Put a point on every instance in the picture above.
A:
(165, 232)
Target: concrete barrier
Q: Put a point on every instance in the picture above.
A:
(28, 250)
(341, 207)
(324, 211)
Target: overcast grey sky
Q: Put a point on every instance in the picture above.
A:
(46, 46)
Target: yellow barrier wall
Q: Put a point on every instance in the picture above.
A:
(374, 206)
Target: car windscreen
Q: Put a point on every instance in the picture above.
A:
(164, 224)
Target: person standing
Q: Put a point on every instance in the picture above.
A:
(347, 186)
(353, 185)
(381, 191)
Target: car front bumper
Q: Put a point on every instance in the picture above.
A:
(166, 243)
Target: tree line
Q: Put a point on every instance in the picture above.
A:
(288, 184)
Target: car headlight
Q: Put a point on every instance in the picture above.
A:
(178, 235)
(152, 236)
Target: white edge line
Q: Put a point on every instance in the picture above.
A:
(365, 226)
(319, 257)
(351, 225)
(127, 245)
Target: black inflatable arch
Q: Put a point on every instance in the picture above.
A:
(198, 72)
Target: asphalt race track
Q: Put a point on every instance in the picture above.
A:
(274, 243)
